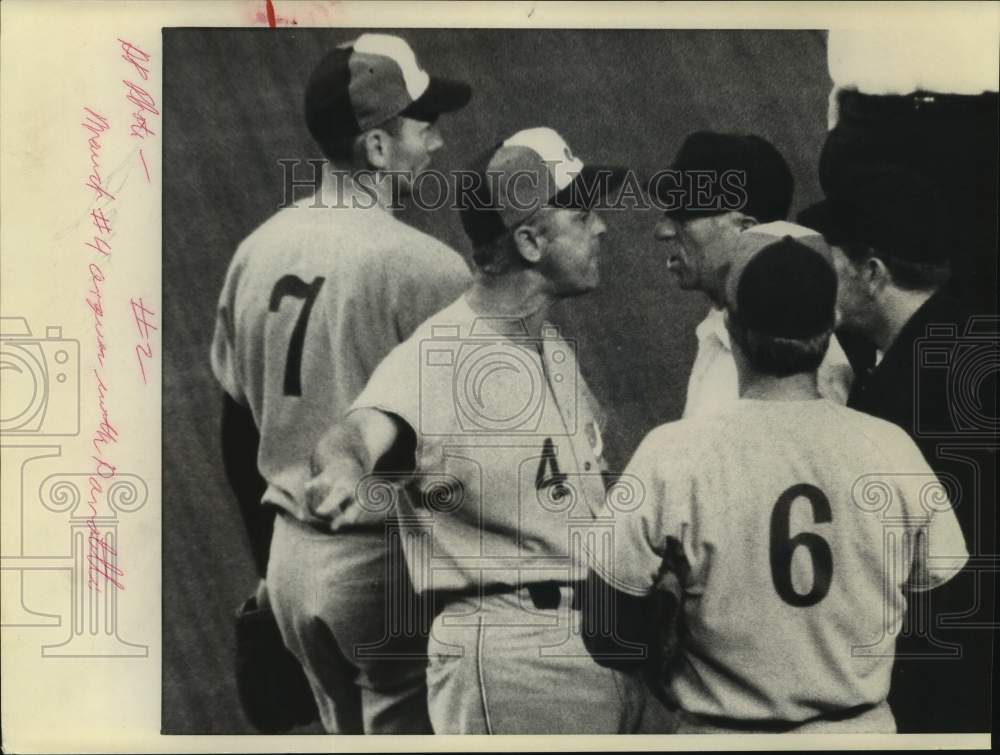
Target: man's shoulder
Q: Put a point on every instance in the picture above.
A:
(454, 321)
(290, 232)
(872, 436)
(448, 325)
(434, 340)
(411, 250)
(943, 316)
(686, 439)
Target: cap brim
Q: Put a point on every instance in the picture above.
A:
(664, 192)
(591, 186)
(441, 96)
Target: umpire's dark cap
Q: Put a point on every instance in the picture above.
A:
(768, 182)
(895, 212)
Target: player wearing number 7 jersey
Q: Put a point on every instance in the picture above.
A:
(313, 300)
(790, 524)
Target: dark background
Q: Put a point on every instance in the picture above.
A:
(233, 108)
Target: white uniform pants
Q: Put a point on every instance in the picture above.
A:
(503, 666)
(340, 609)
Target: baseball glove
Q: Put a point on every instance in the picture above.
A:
(272, 686)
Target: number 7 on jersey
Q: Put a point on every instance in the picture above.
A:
(294, 286)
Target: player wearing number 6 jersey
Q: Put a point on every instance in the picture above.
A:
(790, 523)
(313, 300)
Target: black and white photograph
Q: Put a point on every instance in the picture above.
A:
(493, 369)
(579, 381)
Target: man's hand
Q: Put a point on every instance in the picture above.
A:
(335, 478)
(344, 456)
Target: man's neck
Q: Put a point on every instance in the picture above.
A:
(897, 308)
(799, 387)
(518, 294)
(369, 189)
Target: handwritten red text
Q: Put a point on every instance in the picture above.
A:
(142, 315)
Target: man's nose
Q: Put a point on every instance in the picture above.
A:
(665, 230)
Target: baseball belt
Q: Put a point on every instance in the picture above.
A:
(544, 595)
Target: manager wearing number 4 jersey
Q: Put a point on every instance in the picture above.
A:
(313, 300)
(487, 415)
(790, 524)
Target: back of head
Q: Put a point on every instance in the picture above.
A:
(365, 83)
(891, 213)
(781, 296)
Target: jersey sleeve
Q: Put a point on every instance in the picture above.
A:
(654, 518)
(223, 351)
(942, 556)
(394, 386)
(939, 552)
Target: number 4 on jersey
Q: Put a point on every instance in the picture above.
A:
(294, 286)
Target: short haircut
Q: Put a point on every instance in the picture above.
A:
(347, 151)
(780, 357)
(500, 255)
(910, 276)
(496, 256)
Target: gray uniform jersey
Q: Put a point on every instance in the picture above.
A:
(792, 527)
(509, 452)
(313, 300)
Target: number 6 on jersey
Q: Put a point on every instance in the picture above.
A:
(783, 547)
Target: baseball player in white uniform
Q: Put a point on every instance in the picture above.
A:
(789, 523)
(312, 302)
(502, 450)
(700, 234)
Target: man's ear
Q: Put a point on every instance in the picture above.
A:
(876, 274)
(530, 242)
(375, 144)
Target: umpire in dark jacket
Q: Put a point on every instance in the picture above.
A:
(934, 373)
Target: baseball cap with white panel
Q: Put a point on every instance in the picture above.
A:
(364, 83)
(531, 169)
